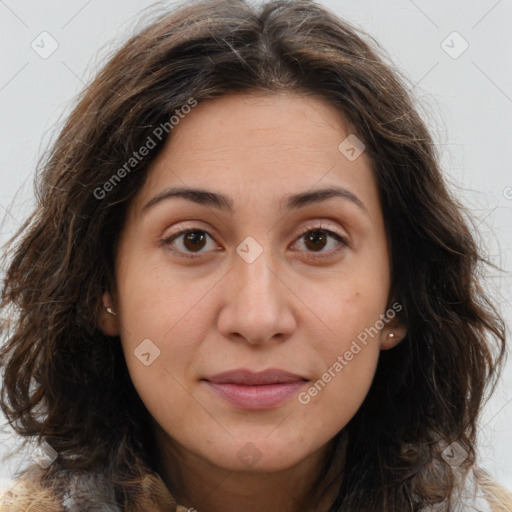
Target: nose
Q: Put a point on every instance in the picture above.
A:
(258, 304)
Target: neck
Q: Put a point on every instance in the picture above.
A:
(198, 484)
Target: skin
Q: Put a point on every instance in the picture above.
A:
(216, 312)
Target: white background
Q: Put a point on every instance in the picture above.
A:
(468, 100)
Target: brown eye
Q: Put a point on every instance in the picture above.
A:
(317, 240)
(194, 240)
(189, 242)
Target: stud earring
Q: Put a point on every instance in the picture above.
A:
(391, 335)
(109, 310)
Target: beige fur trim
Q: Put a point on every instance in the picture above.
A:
(23, 495)
(26, 494)
(500, 498)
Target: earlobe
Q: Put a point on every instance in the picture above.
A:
(392, 336)
(108, 322)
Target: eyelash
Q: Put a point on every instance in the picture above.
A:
(342, 241)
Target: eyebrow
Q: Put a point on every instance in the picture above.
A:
(225, 203)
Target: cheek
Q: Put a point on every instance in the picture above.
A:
(159, 367)
(345, 311)
(154, 302)
(331, 401)
(160, 329)
(348, 345)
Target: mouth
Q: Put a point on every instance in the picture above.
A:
(249, 390)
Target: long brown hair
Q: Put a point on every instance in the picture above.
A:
(67, 383)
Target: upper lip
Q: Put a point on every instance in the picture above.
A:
(249, 378)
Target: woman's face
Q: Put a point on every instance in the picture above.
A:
(241, 278)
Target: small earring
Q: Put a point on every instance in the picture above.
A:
(109, 310)
(391, 335)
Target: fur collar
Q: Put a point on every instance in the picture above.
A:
(81, 491)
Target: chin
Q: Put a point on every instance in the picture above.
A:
(256, 456)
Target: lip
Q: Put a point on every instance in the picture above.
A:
(249, 390)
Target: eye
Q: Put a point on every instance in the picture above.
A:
(315, 240)
(191, 242)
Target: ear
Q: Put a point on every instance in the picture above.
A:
(392, 334)
(107, 321)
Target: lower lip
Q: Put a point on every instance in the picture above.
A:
(257, 397)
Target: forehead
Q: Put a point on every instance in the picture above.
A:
(279, 125)
(270, 143)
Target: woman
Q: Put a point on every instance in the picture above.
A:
(325, 346)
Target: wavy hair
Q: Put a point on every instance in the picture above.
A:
(65, 382)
